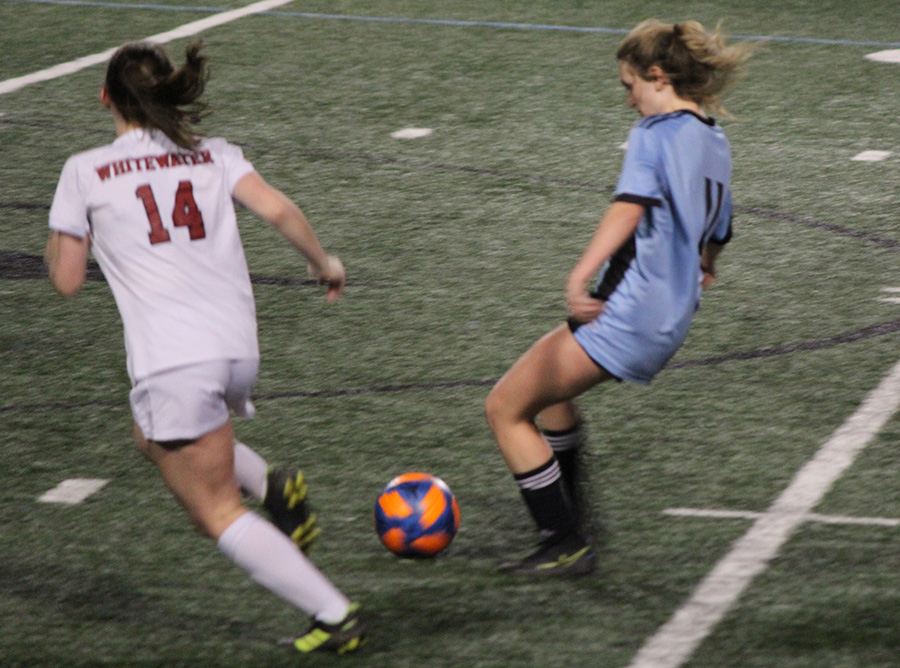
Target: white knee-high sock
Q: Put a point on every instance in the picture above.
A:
(250, 470)
(273, 561)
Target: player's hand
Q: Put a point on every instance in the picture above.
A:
(579, 303)
(709, 274)
(332, 274)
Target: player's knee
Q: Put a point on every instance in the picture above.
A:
(496, 407)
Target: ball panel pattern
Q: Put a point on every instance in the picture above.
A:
(431, 545)
(394, 539)
(416, 515)
(434, 504)
(393, 505)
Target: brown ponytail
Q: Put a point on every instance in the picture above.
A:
(700, 65)
(146, 89)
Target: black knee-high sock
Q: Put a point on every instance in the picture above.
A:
(566, 445)
(542, 491)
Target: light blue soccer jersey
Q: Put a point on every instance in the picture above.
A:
(678, 167)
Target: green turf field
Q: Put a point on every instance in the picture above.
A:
(457, 247)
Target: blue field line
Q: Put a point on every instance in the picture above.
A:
(501, 25)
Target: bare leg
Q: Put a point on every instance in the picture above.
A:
(200, 474)
(559, 417)
(543, 381)
(552, 373)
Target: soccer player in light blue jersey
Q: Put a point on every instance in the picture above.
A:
(654, 250)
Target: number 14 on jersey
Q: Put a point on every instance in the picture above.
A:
(185, 213)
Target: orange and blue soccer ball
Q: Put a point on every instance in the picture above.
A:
(416, 515)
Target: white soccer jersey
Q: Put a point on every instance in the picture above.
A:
(164, 232)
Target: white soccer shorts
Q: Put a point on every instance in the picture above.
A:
(189, 401)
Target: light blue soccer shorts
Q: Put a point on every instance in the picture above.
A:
(627, 353)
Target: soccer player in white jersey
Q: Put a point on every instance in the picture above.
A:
(654, 250)
(156, 209)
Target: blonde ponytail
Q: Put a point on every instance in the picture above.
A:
(700, 65)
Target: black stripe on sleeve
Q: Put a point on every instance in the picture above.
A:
(648, 202)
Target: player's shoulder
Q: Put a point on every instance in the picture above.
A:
(217, 145)
(675, 119)
(124, 145)
(222, 150)
(83, 163)
(90, 155)
(214, 142)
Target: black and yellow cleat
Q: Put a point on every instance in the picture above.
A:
(287, 505)
(567, 557)
(348, 635)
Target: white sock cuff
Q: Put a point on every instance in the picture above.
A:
(560, 441)
(231, 538)
(541, 477)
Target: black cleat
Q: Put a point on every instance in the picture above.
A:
(286, 502)
(568, 557)
(347, 635)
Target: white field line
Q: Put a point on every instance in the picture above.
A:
(717, 514)
(889, 56)
(890, 300)
(811, 517)
(863, 521)
(72, 491)
(411, 133)
(677, 639)
(871, 156)
(186, 30)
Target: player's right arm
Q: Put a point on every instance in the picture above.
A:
(618, 224)
(66, 257)
(277, 209)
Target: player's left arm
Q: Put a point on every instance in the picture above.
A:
(284, 215)
(66, 257)
(708, 263)
(715, 244)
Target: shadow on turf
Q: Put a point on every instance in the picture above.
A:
(105, 596)
(857, 626)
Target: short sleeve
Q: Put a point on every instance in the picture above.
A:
(639, 181)
(69, 211)
(236, 165)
